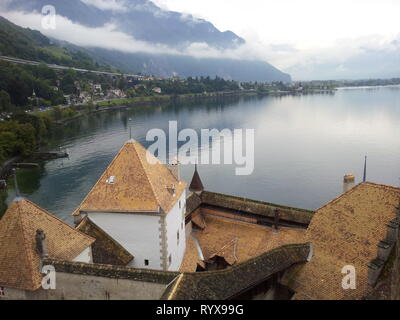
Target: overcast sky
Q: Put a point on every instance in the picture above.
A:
(299, 34)
(304, 23)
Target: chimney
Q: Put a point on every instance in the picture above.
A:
(384, 250)
(375, 268)
(393, 230)
(385, 247)
(348, 182)
(175, 168)
(41, 245)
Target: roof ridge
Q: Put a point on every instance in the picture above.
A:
(76, 212)
(227, 245)
(293, 254)
(58, 219)
(25, 249)
(146, 174)
(176, 285)
(372, 184)
(334, 200)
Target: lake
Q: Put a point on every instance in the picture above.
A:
(303, 146)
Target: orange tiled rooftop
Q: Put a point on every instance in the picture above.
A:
(346, 231)
(236, 241)
(131, 183)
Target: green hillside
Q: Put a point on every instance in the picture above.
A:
(29, 44)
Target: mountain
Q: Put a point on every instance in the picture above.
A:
(139, 18)
(187, 66)
(29, 44)
(144, 21)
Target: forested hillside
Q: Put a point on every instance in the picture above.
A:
(32, 45)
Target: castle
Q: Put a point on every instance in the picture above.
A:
(138, 235)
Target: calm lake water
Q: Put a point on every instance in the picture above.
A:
(303, 146)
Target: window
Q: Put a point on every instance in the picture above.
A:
(177, 236)
(170, 259)
(111, 180)
(146, 262)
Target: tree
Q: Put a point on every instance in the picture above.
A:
(89, 107)
(37, 122)
(5, 101)
(57, 113)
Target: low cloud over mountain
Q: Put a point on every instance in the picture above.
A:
(145, 35)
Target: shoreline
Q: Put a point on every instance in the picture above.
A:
(369, 87)
(120, 104)
(124, 103)
(6, 167)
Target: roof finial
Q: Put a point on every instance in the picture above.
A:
(365, 170)
(130, 130)
(196, 185)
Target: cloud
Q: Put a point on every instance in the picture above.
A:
(113, 5)
(371, 56)
(186, 17)
(107, 37)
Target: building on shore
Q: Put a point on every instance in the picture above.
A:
(139, 236)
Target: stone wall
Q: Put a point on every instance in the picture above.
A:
(85, 287)
(292, 215)
(12, 294)
(81, 281)
(238, 279)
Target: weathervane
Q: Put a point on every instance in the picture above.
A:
(365, 170)
(130, 129)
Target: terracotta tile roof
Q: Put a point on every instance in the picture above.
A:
(105, 250)
(228, 283)
(19, 260)
(227, 252)
(237, 241)
(251, 240)
(132, 184)
(193, 202)
(346, 231)
(191, 257)
(198, 221)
